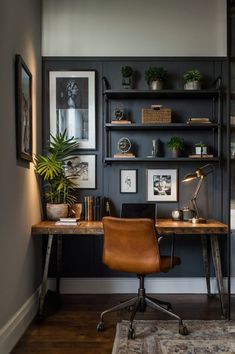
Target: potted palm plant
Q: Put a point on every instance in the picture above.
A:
(192, 79)
(175, 144)
(58, 187)
(155, 77)
(127, 77)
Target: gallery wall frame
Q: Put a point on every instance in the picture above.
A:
(82, 170)
(162, 185)
(128, 180)
(72, 106)
(23, 93)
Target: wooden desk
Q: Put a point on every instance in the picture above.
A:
(208, 231)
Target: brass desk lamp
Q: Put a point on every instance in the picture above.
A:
(200, 174)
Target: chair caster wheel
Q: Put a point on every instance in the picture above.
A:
(100, 327)
(131, 333)
(183, 330)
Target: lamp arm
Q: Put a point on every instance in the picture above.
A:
(193, 200)
(195, 207)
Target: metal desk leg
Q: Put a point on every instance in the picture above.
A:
(206, 261)
(59, 263)
(45, 275)
(218, 271)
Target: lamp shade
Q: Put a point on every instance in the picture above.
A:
(190, 177)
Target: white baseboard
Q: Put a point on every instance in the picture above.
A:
(16, 326)
(196, 285)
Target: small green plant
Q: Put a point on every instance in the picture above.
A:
(192, 75)
(153, 74)
(58, 187)
(200, 144)
(175, 143)
(127, 71)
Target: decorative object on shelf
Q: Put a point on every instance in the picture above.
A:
(128, 181)
(175, 144)
(232, 120)
(124, 146)
(155, 77)
(200, 149)
(192, 79)
(188, 213)
(155, 148)
(177, 215)
(199, 120)
(59, 188)
(23, 110)
(156, 114)
(81, 169)
(162, 185)
(127, 77)
(75, 210)
(72, 105)
(199, 174)
(232, 150)
(119, 115)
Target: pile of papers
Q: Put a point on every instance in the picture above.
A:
(67, 221)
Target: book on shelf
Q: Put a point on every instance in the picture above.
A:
(124, 155)
(198, 120)
(201, 156)
(88, 208)
(121, 121)
(97, 206)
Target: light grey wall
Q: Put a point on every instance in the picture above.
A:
(20, 256)
(134, 28)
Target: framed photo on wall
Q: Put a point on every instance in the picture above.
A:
(23, 110)
(72, 105)
(162, 185)
(128, 181)
(82, 170)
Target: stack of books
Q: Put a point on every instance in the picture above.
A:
(67, 221)
(198, 120)
(121, 121)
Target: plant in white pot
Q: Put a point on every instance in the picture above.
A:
(175, 144)
(127, 77)
(58, 187)
(192, 79)
(200, 148)
(155, 77)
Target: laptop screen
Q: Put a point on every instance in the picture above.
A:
(138, 210)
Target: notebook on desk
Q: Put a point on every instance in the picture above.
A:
(138, 210)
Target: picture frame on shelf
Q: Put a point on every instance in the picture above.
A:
(128, 181)
(82, 170)
(72, 106)
(23, 88)
(162, 185)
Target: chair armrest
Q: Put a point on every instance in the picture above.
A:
(172, 249)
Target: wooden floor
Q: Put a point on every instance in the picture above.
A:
(71, 329)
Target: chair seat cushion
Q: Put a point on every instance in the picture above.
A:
(167, 263)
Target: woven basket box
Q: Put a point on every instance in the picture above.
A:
(156, 115)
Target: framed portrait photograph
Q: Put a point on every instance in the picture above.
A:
(72, 106)
(162, 185)
(128, 181)
(82, 170)
(23, 110)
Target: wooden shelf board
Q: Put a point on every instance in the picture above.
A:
(162, 126)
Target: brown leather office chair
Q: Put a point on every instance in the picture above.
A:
(130, 246)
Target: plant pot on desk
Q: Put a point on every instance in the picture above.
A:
(56, 211)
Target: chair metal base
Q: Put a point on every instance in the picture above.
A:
(139, 303)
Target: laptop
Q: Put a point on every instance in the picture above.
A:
(138, 210)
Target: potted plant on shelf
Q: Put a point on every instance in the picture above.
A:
(155, 77)
(175, 144)
(127, 77)
(200, 148)
(58, 187)
(192, 79)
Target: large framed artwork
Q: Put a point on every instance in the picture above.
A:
(72, 105)
(128, 181)
(82, 170)
(23, 110)
(162, 185)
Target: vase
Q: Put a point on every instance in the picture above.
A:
(56, 211)
(201, 150)
(75, 210)
(192, 85)
(175, 153)
(127, 82)
(156, 85)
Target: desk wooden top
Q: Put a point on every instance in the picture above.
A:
(163, 226)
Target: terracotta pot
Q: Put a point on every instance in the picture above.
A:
(57, 211)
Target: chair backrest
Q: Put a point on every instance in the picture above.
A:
(138, 210)
(130, 245)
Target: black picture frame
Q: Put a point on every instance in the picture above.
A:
(128, 181)
(23, 91)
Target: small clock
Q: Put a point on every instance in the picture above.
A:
(124, 145)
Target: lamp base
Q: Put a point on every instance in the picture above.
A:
(198, 221)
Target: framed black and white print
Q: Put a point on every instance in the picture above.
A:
(82, 170)
(162, 185)
(128, 181)
(72, 105)
(23, 110)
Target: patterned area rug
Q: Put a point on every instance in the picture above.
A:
(162, 337)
